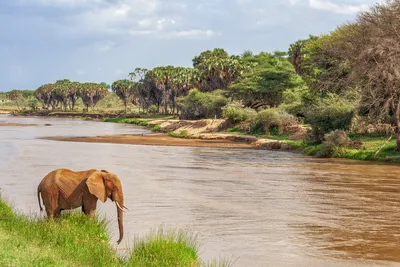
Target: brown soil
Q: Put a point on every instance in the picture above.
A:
(16, 124)
(155, 139)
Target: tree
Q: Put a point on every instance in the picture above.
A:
(199, 105)
(322, 69)
(372, 46)
(16, 97)
(44, 95)
(91, 93)
(264, 86)
(217, 69)
(124, 89)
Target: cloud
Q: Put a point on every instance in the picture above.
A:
(337, 8)
(192, 34)
(105, 18)
(62, 3)
(104, 46)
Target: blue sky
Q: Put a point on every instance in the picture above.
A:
(103, 40)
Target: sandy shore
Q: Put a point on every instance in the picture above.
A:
(155, 139)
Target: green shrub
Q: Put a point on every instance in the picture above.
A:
(235, 112)
(328, 115)
(153, 109)
(33, 104)
(156, 128)
(199, 105)
(275, 121)
(234, 129)
(182, 134)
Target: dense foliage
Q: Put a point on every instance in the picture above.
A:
(324, 81)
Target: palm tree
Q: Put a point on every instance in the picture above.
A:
(125, 90)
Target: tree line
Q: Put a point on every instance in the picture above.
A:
(326, 80)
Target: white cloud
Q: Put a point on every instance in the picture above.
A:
(68, 3)
(131, 17)
(104, 46)
(192, 34)
(337, 8)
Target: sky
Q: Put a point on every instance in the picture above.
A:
(104, 40)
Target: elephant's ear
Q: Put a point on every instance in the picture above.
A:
(95, 183)
(105, 171)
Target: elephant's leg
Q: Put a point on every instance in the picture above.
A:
(89, 205)
(57, 213)
(91, 212)
(51, 203)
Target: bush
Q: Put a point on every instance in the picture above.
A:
(335, 143)
(328, 115)
(364, 125)
(336, 138)
(153, 109)
(235, 113)
(275, 121)
(33, 104)
(182, 134)
(199, 105)
(156, 128)
(234, 129)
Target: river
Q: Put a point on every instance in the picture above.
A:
(259, 208)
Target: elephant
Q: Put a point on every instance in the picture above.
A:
(64, 189)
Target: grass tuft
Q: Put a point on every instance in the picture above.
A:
(165, 248)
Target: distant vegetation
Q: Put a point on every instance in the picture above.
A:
(346, 80)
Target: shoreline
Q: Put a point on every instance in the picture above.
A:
(161, 139)
(213, 133)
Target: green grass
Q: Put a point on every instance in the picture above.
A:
(127, 121)
(371, 145)
(156, 128)
(182, 134)
(165, 248)
(77, 240)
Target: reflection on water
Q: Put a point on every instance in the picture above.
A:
(265, 208)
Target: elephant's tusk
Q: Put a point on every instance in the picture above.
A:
(119, 206)
(125, 207)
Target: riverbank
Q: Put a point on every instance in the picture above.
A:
(200, 133)
(218, 133)
(212, 140)
(77, 240)
(367, 147)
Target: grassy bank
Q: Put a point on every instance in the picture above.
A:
(369, 144)
(77, 240)
(367, 150)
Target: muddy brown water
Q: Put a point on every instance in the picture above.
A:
(260, 208)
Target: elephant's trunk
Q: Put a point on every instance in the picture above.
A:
(120, 223)
(119, 203)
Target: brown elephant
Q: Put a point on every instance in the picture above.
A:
(63, 189)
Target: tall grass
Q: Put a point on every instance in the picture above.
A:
(73, 240)
(165, 248)
(77, 240)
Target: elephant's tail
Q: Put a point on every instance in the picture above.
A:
(38, 196)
